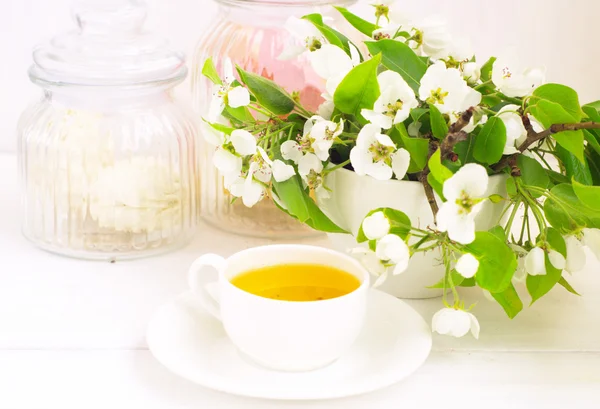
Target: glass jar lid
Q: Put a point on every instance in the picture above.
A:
(109, 48)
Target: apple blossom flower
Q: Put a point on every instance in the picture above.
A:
(464, 193)
(535, 262)
(455, 322)
(471, 72)
(591, 239)
(431, 38)
(467, 265)
(234, 96)
(376, 155)
(521, 272)
(575, 255)
(515, 130)
(393, 250)
(228, 156)
(376, 226)
(306, 38)
(446, 89)
(247, 187)
(330, 61)
(338, 70)
(514, 79)
(317, 138)
(394, 104)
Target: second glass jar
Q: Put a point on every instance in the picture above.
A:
(253, 35)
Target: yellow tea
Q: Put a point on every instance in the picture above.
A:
(297, 282)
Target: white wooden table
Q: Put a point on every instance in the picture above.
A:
(72, 336)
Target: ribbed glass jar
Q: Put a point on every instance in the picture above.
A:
(252, 33)
(107, 157)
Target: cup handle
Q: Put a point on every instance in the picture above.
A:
(207, 294)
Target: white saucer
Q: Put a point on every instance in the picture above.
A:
(192, 344)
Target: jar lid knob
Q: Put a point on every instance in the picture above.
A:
(109, 16)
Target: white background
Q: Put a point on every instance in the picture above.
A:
(557, 33)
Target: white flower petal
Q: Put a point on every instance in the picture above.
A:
(309, 162)
(380, 280)
(370, 262)
(472, 179)
(238, 97)
(379, 171)
(367, 136)
(354, 55)
(243, 142)
(467, 265)
(291, 51)
(391, 247)
(360, 159)
(228, 71)
(400, 163)
(227, 162)
(290, 150)
(457, 323)
(475, 328)
(300, 28)
(591, 238)
(211, 135)
(557, 259)
(326, 109)
(376, 226)
(330, 60)
(380, 120)
(575, 255)
(253, 192)
(535, 262)
(282, 171)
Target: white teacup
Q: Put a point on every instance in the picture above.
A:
(283, 335)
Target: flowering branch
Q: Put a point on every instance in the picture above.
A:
(533, 137)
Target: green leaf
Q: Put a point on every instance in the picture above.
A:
(417, 113)
(593, 159)
(556, 241)
(538, 286)
(562, 95)
(533, 174)
(497, 266)
(333, 36)
(417, 147)
(439, 171)
(498, 231)
(550, 113)
(567, 286)
(268, 93)
(557, 178)
(456, 278)
(221, 128)
(592, 140)
(210, 71)
(240, 114)
(401, 58)
(588, 195)
(486, 69)
(439, 127)
(565, 212)
(358, 23)
(591, 111)
(359, 89)
(400, 223)
(509, 300)
(490, 142)
(464, 150)
(437, 186)
(574, 169)
(299, 205)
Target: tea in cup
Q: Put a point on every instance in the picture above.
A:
(286, 307)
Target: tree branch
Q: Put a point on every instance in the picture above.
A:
(455, 135)
(533, 137)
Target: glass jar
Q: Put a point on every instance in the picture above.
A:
(252, 33)
(107, 157)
